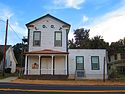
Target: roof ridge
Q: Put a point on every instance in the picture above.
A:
(45, 16)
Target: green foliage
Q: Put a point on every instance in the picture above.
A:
(112, 74)
(72, 45)
(82, 41)
(117, 47)
(98, 43)
(82, 38)
(18, 52)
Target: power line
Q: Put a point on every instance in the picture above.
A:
(15, 32)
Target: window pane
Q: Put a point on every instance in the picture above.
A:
(79, 59)
(58, 35)
(80, 66)
(79, 62)
(36, 38)
(95, 62)
(58, 39)
(36, 35)
(36, 42)
(95, 65)
(94, 59)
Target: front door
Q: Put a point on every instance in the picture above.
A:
(46, 65)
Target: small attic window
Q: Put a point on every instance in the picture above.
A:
(52, 26)
(43, 26)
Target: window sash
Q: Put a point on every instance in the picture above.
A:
(58, 35)
(95, 62)
(79, 63)
(36, 38)
(58, 39)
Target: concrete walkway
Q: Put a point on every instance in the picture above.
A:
(8, 79)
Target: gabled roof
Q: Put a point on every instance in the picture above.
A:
(50, 17)
(46, 51)
(2, 48)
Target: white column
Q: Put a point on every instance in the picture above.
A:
(66, 64)
(25, 65)
(39, 64)
(52, 66)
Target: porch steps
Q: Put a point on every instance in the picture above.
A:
(46, 77)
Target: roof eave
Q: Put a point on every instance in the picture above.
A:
(46, 16)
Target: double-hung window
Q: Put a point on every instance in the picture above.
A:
(79, 63)
(36, 38)
(58, 39)
(95, 62)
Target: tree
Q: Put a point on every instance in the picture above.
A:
(18, 50)
(98, 42)
(81, 39)
(117, 47)
(72, 45)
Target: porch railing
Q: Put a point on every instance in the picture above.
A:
(46, 71)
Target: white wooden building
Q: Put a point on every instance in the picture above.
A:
(10, 58)
(48, 55)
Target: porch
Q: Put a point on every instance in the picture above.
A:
(47, 64)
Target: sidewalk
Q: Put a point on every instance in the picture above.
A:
(8, 79)
(68, 82)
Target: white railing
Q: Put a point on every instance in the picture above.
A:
(46, 71)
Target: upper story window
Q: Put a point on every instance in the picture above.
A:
(58, 39)
(36, 38)
(95, 62)
(79, 63)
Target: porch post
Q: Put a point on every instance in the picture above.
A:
(66, 64)
(52, 66)
(25, 65)
(39, 65)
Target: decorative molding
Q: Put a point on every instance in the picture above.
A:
(52, 26)
(44, 26)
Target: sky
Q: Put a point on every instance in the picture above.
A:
(102, 17)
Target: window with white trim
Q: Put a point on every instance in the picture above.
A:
(79, 63)
(36, 38)
(58, 39)
(95, 62)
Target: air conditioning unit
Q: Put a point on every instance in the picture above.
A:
(79, 74)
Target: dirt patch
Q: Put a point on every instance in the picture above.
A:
(68, 82)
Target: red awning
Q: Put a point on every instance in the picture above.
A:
(46, 51)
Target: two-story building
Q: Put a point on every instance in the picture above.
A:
(48, 56)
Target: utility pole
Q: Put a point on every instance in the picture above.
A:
(104, 70)
(5, 48)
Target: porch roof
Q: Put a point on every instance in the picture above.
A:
(46, 51)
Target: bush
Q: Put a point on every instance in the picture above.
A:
(112, 74)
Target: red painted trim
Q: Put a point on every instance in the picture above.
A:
(30, 25)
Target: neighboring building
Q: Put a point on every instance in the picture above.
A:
(48, 56)
(89, 60)
(117, 61)
(10, 58)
